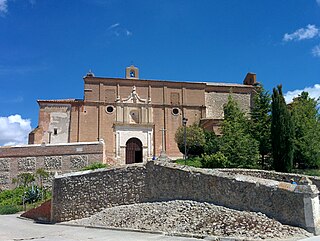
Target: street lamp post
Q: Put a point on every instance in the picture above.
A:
(184, 123)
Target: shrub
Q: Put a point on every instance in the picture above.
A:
(216, 160)
(32, 195)
(9, 209)
(9, 197)
(194, 162)
(94, 166)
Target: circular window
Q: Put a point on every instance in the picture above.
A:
(175, 111)
(109, 109)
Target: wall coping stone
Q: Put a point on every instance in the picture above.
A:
(55, 144)
(231, 170)
(80, 173)
(305, 189)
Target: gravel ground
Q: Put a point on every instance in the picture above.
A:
(192, 218)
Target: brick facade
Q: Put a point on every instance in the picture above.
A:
(117, 110)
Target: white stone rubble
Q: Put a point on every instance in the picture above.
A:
(190, 217)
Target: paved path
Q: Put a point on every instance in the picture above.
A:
(15, 229)
(316, 238)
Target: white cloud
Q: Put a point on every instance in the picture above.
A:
(14, 130)
(114, 25)
(316, 50)
(3, 7)
(318, 1)
(314, 92)
(311, 31)
(128, 32)
(118, 30)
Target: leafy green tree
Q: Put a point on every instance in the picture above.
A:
(307, 131)
(212, 142)
(260, 122)
(236, 143)
(24, 179)
(41, 175)
(195, 139)
(282, 132)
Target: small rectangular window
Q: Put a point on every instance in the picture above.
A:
(55, 131)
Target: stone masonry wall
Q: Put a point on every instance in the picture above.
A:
(215, 102)
(278, 176)
(81, 194)
(279, 201)
(60, 158)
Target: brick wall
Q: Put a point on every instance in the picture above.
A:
(60, 158)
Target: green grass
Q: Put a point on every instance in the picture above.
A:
(193, 162)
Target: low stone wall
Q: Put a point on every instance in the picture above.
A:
(60, 158)
(82, 194)
(79, 195)
(278, 176)
(283, 201)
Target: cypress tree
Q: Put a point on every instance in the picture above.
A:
(282, 132)
(260, 123)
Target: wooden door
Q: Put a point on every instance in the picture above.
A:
(133, 151)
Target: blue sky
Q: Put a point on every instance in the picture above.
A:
(47, 46)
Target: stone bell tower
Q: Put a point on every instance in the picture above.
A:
(132, 72)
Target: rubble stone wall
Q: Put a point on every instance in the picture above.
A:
(278, 176)
(60, 158)
(215, 102)
(82, 194)
(275, 199)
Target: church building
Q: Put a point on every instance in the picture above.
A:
(137, 118)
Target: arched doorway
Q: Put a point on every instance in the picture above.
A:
(133, 151)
